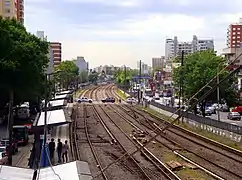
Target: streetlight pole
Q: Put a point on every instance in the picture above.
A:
(218, 96)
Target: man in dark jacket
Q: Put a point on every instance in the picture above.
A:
(52, 149)
(59, 150)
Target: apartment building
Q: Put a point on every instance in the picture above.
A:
(234, 35)
(50, 55)
(173, 47)
(158, 62)
(81, 64)
(12, 9)
(57, 52)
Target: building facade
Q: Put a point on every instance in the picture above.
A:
(81, 64)
(57, 52)
(12, 9)
(158, 62)
(234, 35)
(109, 70)
(174, 48)
(50, 55)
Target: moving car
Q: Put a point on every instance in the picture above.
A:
(234, 116)
(208, 112)
(131, 100)
(84, 99)
(108, 99)
(5, 143)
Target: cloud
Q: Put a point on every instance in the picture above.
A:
(122, 31)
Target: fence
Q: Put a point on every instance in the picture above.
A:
(202, 120)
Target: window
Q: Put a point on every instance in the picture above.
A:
(238, 32)
(233, 41)
(233, 33)
(7, 10)
(7, 3)
(234, 28)
(238, 36)
(233, 37)
(238, 28)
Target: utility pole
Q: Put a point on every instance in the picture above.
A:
(45, 122)
(140, 68)
(10, 127)
(181, 85)
(218, 96)
(125, 76)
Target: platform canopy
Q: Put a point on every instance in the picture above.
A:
(54, 117)
(76, 170)
(64, 92)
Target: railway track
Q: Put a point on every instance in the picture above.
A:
(205, 162)
(214, 159)
(165, 172)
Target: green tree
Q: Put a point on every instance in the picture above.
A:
(93, 76)
(67, 73)
(199, 68)
(83, 76)
(120, 76)
(23, 60)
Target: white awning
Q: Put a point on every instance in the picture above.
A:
(63, 92)
(77, 170)
(54, 103)
(53, 117)
(62, 96)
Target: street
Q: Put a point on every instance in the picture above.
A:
(223, 115)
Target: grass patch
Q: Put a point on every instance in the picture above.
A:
(121, 94)
(215, 137)
(78, 93)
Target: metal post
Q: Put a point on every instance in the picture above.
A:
(139, 94)
(218, 96)
(125, 76)
(181, 84)
(10, 127)
(45, 120)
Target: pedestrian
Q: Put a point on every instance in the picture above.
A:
(52, 149)
(59, 150)
(65, 151)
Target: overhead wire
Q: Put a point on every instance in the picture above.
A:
(172, 122)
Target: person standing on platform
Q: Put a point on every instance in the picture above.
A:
(59, 150)
(65, 151)
(52, 149)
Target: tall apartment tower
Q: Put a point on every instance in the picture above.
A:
(12, 9)
(57, 51)
(234, 35)
(158, 62)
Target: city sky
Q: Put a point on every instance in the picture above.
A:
(124, 31)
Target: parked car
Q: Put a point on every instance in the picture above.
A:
(131, 100)
(238, 109)
(234, 116)
(3, 158)
(84, 99)
(108, 99)
(208, 112)
(5, 142)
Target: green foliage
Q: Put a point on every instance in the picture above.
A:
(23, 59)
(93, 77)
(83, 76)
(199, 68)
(120, 76)
(66, 72)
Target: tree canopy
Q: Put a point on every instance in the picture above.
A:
(65, 72)
(23, 60)
(120, 76)
(199, 68)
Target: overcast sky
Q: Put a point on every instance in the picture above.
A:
(124, 31)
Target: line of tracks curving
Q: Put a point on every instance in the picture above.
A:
(218, 161)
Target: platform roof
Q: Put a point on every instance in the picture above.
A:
(64, 92)
(76, 170)
(54, 117)
(59, 102)
(62, 96)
